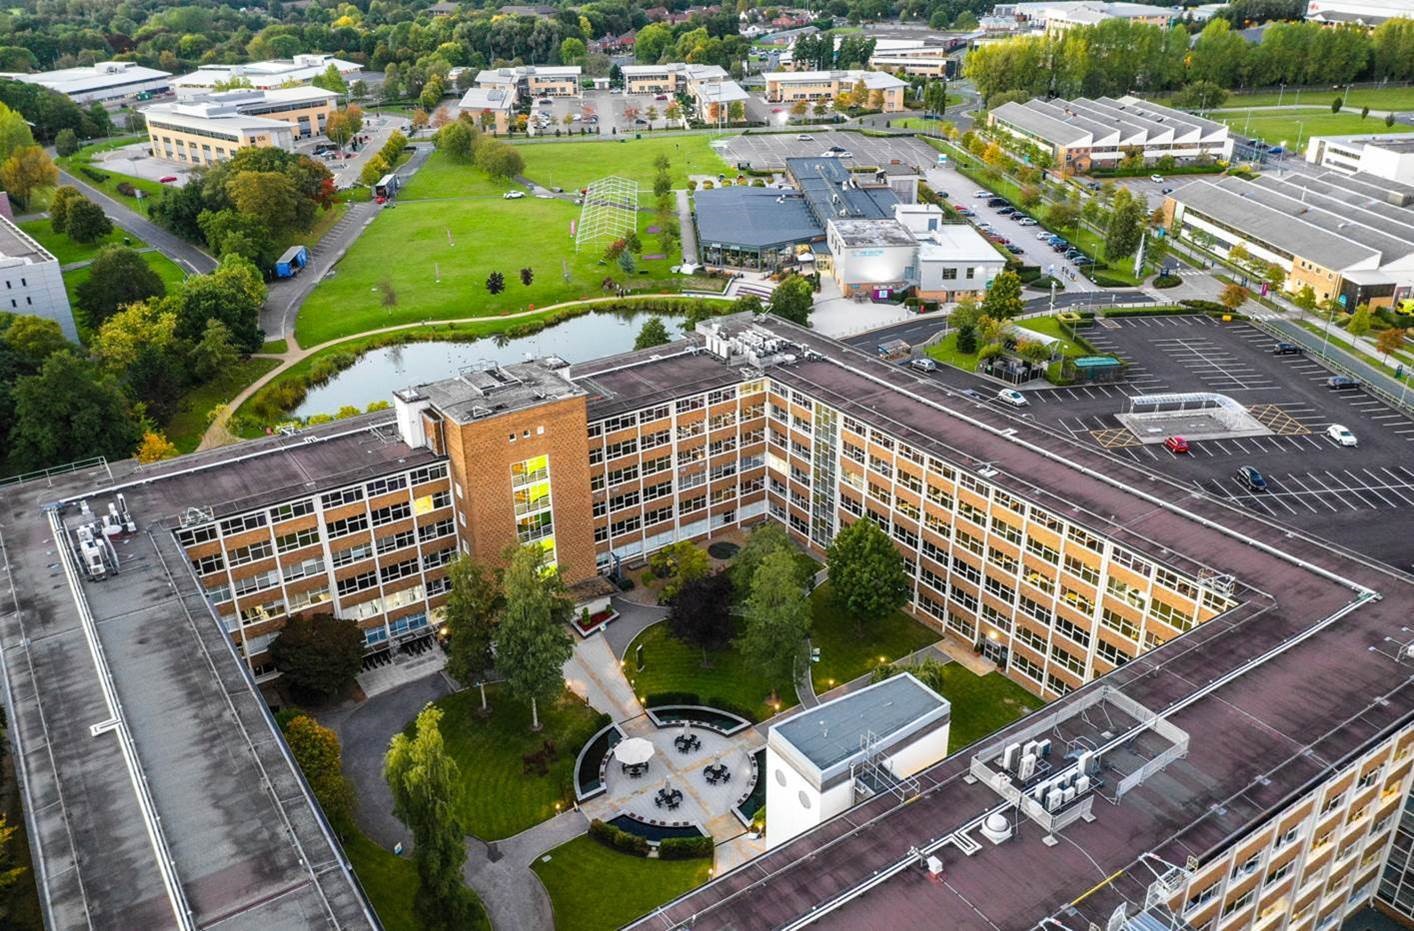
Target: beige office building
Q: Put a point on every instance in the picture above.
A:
(211, 128)
(812, 86)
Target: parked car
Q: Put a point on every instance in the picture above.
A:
(1028, 221)
(1251, 478)
(1287, 349)
(1167, 190)
(1012, 396)
(1005, 211)
(998, 202)
(1176, 445)
(1341, 436)
(661, 97)
(1340, 382)
(1043, 235)
(167, 180)
(513, 195)
(981, 194)
(966, 211)
(835, 151)
(1013, 248)
(924, 365)
(805, 137)
(1157, 179)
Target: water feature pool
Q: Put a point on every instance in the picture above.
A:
(379, 373)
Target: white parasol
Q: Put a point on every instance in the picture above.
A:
(635, 751)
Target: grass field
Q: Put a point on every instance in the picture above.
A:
(67, 251)
(391, 883)
(1389, 98)
(593, 888)
(1293, 127)
(498, 798)
(672, 666)
(170, 272)
(572, 165)
(848, 651)
(83, 158)
(448, 246)
(186, 426)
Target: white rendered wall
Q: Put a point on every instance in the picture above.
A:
(797, 806)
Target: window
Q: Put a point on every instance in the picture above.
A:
(296, 540)
(239, 524)
(382, 486)
(206, 565)
(358, 583)
(1082, 570)
(351, 555)
(344, 496)
(427, 474)
(391, 513)
(291, 510)
(195, 535)
(244, 554)
(397, 541)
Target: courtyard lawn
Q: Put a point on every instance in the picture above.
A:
(1049, 326)
(67, 251)
(572, 165)
(499, 798)
(982, 704)
(447, 247)
(391, 883)
(945, 351)
(728, 682)
(187, 425)
(1292, 128)
(593, 888)
(848, 651)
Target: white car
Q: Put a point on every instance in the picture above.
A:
(1341, 436)
(513, 195)
(981, 193)
(1157, 179)
(804, 137)
(1027, 221)
(1012, 396)
(1044, 234)
(837, 152)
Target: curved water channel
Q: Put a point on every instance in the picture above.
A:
(378, 374)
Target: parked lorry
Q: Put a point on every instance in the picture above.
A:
(292, 262)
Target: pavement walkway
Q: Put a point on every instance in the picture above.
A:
(688, 230)
(593, 673)
(500, 873)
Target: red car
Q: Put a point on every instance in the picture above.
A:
(167, 180)
(1176, 445)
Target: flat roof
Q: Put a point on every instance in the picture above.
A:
(244, 840)
(632, 380)
(1394, 142)
(487, 389)
(831, 733)
(1306, 622)
(856, 232)
(487, 98)
(15, 243)
(92, 77)
(830, 189)
(956, 242)
(754, 217)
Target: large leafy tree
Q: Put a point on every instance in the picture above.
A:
(119, 276)
(316, 749)
(1126, 226)
(457, 140)
(793, 300)
(653, 333)
(1003, 298)
(776, 617)
(532, 645)
(26, 170)
(701, 614)
(70, 411)
(868, 578)
(319, 654)
(679, 563)
(232, 294)
(426, 782)
(470, 615)
(85, 221)
(766, 539)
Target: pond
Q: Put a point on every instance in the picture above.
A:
(381, 372)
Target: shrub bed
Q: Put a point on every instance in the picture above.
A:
(685, 848)
(1167, 281)
(619, 840)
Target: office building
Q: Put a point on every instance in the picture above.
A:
(34, 283)
(106, 80)
(709, 86)
(1350, 238)
(261, 75)
(812, 87)
(531, 81)
(954, 260)
(1060, 15)
(209, 128)
(1389, 157)
(492, 107)
(1367, 13)
(1082, 133)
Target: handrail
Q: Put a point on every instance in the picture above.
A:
(57, 470)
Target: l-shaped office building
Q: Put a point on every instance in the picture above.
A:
(1232, 711)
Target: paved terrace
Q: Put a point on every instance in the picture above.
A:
(245, 845)
(1313, 681)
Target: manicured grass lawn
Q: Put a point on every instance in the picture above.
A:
(1050, 327)
(74, 164)
(572, 165)
(848, 651)
(498, 798)
(1388, 98)
(593, 888)
(945, 351)
(446, 248)
(672, 666)
(1287, 127)
(66, 250)
(275, 347)
(391, 883)
(186, 426)
(982, 704)
(170, 272)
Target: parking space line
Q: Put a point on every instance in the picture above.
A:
(1337, 493)
(1391, 489)
(1292, 477)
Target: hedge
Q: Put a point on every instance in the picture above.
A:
(618, 839)
(1146, 170)
(685, 848)
(1167, 281)
(665, 698)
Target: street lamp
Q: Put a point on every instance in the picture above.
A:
(1280, 94)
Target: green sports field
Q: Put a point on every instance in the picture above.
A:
(573, 165)
(1291, 127)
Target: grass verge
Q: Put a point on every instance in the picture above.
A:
(727, 681)
(187, 425)
(81, 163)
(499, 797)
(67, 251)
(982, 705)
(593, 888)
(848, 651)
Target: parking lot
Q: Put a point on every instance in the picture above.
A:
(613, 113)
(1313, 483)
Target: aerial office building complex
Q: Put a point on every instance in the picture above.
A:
(34, 282)
(1241, 761)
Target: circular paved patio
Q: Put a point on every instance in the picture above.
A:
(702, 802)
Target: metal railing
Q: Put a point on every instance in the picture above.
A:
(52, 471)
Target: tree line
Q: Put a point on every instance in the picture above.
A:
(1118, 56)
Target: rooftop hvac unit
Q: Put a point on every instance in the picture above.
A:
(1068, 795)
(1082, 784)
(935, 866)
(1043, 748)
(1009, 757)
(1085, 761)
(1054, 798)
(1028, 766)
(1029, 748)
